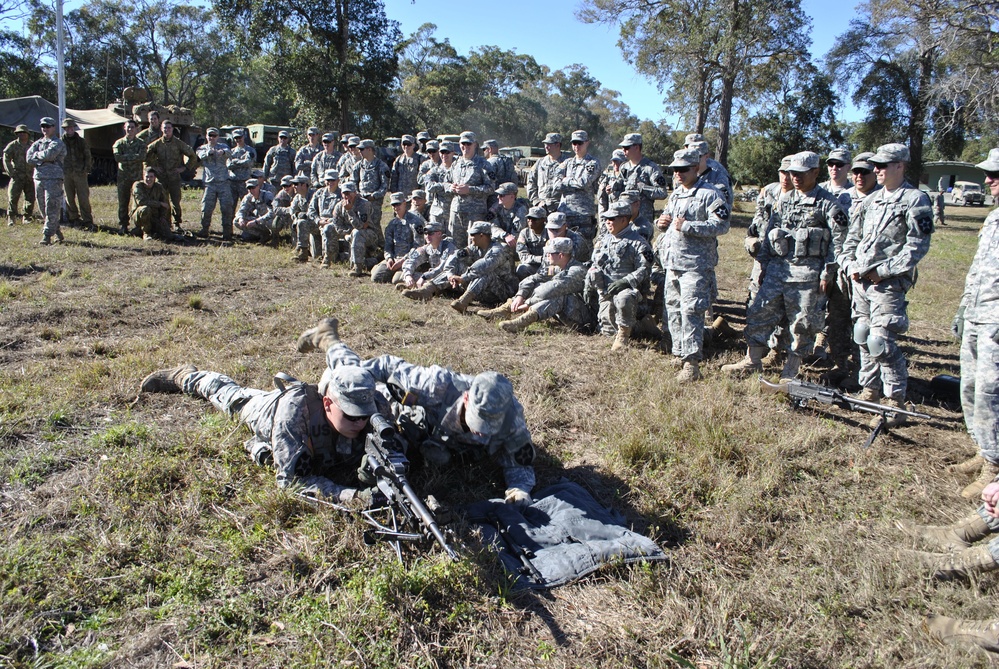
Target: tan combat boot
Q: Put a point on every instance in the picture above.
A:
(322, 336)
(521, 322)
(167, 380)
(947, 538)
(974, 560)
(691, 372)
(774, 358)
(870, 395)
(969, 466)
(988, 474)
(894, 419)
(356, 271)
(721, 328)
(426, 293)
(300, 255)
(791, 367)
(502, 311)
(462, 303)
(753, 362)
(983, 633)
(621, 339)
(821, 349)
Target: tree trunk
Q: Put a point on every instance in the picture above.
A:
(702, 102)
(725, 116)
(917, 116)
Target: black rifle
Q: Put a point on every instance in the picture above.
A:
(802, 392)
(523, 553)
(403, 517)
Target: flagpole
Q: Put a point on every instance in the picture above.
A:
(60, 63)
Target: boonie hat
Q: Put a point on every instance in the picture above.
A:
(70, 123)
(21, 128)
(488, 400)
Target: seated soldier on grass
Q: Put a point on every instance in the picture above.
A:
(427, 262)
(402, 235)
(531, 243)
(151, 208)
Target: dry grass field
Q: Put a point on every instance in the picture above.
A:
(138, 533)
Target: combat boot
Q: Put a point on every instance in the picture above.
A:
(983, 633)
(691, 372)
(974, 560)
(300, 255)
(721, 328)
(753, 362)
(202, 233)
(870, 395)
(947, 538)
(894, 419)
(969, 466)
(426, 293)
(502, 311)
(325, 264)
(167, 380)
(321, 337)
(774, 358)
(521, 322)
(621, 339)
(356, 271)
(791, 366)
(45, 241)
(988, 474)
(821, 349)
(461, 304)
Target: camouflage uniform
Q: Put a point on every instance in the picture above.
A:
(165, 157)
(512, 220)
(487, 274)
(530, 251)
(796, 254)
(717, 176)
(838, 328)
(440, 392)
(150, 134)
(438, 182)
(322, 205)
(425, 167)
(622, 256)
(241, 160)
(757, 230)
(405, 171)
(466, 209)
(576, 181)
(345, 166)
(20, 173)
(290, 431)
(612, 178)
(130, 155)
(889, 234)
(256, 218)
(305, 157)
(352, 225)
(558, 294)
(541, 184)
(215, 175)
(279, 161)
(401, 237)
(372, 179)
(648, 180)
(687, 257)
(303, 231)
(46, 156)
(980, 343)
(147, 216)
(322, 162)
(76, 167)
(427, 263)
(503, 169)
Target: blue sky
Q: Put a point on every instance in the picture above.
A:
(549, 31)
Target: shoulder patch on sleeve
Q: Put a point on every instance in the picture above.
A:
(721, 211)
(660, 180)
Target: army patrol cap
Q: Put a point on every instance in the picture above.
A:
(433, 145)
(349, 187)
(450, 146)
(488, 401)
(354, 140)
(693, 138)
(21, 128)
(890, 153)
(631, 139)
(468, 137)
(251, 183)
(47, 122)
(990, 164)
(208, 132)
(257, 173)
(238, 132)
(480, 228)
(618, 156)
(506, 188)
(313, 131)
(617, 209)
(433, 227)
(630, 197)
(689, 157)
(538, 213)
(491, 143)
(701, 148)
(804, 161)
(552, 138)
(331, 175)
(301, 179)
(345, 138)
(352, 387)
(408, 139)
(785, 163)
(70, 123)
(579, 136)
(840, 155)
(328, 137)
(556, 220)
(284, 134)
(366, 144)
(423, 135)
(397, 198)
(418, 194)
(286, 180)
(559, 245)
(862, 161)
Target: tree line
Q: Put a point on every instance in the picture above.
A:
(738, 71)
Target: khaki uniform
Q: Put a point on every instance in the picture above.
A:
(147, 214)
(166, 156)
(76, 167)
(130, 154)
(20, 173)
(150, 135)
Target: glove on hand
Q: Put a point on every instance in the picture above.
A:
(617, 286)
(519, 498)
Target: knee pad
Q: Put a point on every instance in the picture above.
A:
(861, 331)
(877, 346)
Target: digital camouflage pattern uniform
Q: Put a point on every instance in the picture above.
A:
(503, 169)
(466, 209)
(303, 231)
(130, 154)
(76, 167)
(890, 234)
(46, 156)
(648, 180)
(20, 172)
(401, 237)
(321, 163)
(717, 176)
(405, 171)
(440, 393)
(623, 256)
(557, 293)
(279, 161)
(147, 216)
(351, 225)
(372, 179)
(576, 182)
(241, 160)
(322, 205)
(215, 175)
(166, 157)
(512, 220)
(541, 183)
(438, 185)
(426, 263)
(305, 156)
(530, 251)
(255, 218)
(487, 274)
(687, 258)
